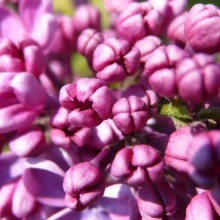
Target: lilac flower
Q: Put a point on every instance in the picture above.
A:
(169, 9)
(135, 166)
(156, 201)
(86, 16)
(89, 101)
(139, 20)
(176, 32)
(83, 185)
(87, 42)
(25, 103)
(160, 69)
(130, 114)
(204, 158)
(114, 60)
(200, 207)
(35, 21)
(177, 149)
(202, 28)
(28, 142)
(202, 71)
(147, 45)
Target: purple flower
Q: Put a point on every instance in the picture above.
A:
(136, 165)
(28, 142)
(89, 101)
(177, 149)
(147, 45)
(130, 114)
(203, 72)
(176, 32)
(160, 69)
(86, 16)
(137, 21)
(202, 28)
(200, 207)
(83, 184)
(35, 21)
(157, 201)
(203, 155)
(87, 42)
(114, 60)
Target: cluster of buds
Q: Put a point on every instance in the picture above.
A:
(133, 133)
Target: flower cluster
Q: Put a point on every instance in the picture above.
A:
(134, 134)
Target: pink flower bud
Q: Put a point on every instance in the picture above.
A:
(136, 165)
(161, 69)
(200, 207)
(130, 114)
(137, 21)
(90, 102)
(28, 142)
(23, 202)
(83, 185)
(156, 200)
(114, 60)
(177, 149)
(202, 28)
(176, 32)
(203, 72)
(86, 16)
(204, 156)
(87, 42)
(147, 45)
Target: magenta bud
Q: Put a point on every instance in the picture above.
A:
(87, 42)
(137, 21)
(200, 207)
(177, 149)
(161, 69)
(115, 59)
(34, 60)
(136, 165)
(156, 200)
(203, 155)
(130, 114)
(202, 71)
(28, 142)
(176, 32)
(90, 102)
(23, 202)
(25, 86)
(83, 184)
(86, 16)
(147, 45)
(6, 193)
(202, 28)
(9, 63)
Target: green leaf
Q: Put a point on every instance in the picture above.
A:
(177, 111)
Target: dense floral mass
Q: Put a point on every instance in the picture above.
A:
(133, 133)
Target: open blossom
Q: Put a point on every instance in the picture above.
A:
(115, 59)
